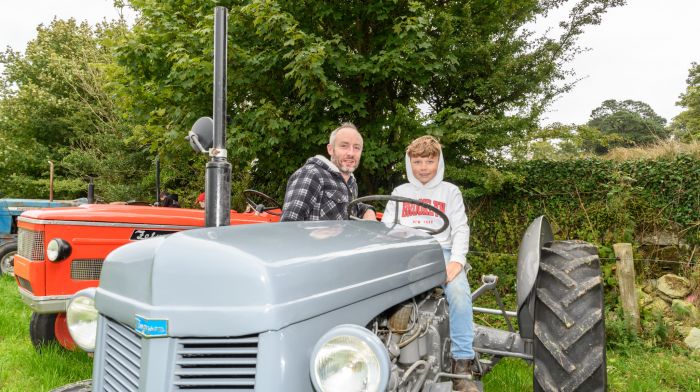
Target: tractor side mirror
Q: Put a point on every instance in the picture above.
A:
(201, 136)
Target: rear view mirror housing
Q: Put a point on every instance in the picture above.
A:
(201, 136)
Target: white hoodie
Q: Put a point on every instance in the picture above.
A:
(441, 194)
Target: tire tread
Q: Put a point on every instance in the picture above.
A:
(569, 328)
(41, 329)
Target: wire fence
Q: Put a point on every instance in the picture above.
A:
(656, 261)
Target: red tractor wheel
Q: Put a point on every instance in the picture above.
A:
(45, 329)
(61, 332)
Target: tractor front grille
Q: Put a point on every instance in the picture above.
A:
(223, 363)
(86, 269)
(30, 244)
(196, 364)
(122, 358)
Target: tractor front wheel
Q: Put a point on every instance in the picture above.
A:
(7, 255)
(569, 347)
(41, 329)
(47, 328)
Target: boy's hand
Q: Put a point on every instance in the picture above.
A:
(453, 269)
(369, 215)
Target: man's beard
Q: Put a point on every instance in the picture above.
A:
(339, 164)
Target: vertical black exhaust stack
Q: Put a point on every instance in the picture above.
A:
(218, 177)
(91, 191)
(157, 203)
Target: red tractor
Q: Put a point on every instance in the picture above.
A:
(61, 251)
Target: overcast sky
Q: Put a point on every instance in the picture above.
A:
(641, 51)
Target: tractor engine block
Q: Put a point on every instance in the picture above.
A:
(417, 336)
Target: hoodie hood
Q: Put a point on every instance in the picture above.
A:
(324, 162)
(439, 175)
(320, 160)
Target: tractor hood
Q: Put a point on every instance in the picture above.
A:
(116, 214)
(237, 280)
(17, 206)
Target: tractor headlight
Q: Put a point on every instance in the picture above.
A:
(81, 317)
(58, 249)
(349, 358)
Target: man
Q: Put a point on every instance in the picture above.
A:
(169, 200)
(322, 188)
(201, 199)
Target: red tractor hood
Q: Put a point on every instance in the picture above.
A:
(127, 214)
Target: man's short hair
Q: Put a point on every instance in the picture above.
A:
(350, 125)
(424, 147)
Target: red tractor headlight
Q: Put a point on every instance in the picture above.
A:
(58, 249)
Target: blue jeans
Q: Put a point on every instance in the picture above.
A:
(459, 300)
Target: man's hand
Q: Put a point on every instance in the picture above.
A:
(369, 215)
(453, 269)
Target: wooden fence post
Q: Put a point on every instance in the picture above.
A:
(626, 279)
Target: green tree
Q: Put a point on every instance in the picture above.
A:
(467, 71)
(38, 105)
(58, 103)
(687, 124)
(123, 168)
(634, 123)
(559, 141)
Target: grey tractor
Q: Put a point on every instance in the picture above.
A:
(327, 306)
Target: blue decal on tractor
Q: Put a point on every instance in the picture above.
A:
(151, 328)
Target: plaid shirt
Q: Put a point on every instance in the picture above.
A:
(317, 191)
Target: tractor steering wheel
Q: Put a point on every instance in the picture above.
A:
(401, 199)
(251, 194)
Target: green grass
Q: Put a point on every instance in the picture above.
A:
(636, 370)
(641, 369)
(512, 375)
(22, 369)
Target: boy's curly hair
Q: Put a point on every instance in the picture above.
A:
(424, 147)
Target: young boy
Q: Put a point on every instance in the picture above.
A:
(425, 169)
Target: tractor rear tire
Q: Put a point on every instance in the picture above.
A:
(42, 329)
(569, 346)
(7, 253)
(80, 386)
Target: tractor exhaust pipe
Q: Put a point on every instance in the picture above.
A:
(157, 181)
(218, 172)
(91, 191)
(50, 181)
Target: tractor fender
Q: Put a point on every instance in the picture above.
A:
(537, 234)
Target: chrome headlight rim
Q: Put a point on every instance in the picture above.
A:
(364, 336)
(57, 249)
(81, 307)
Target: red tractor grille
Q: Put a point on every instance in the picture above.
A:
(86, 269)
(30, 244)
